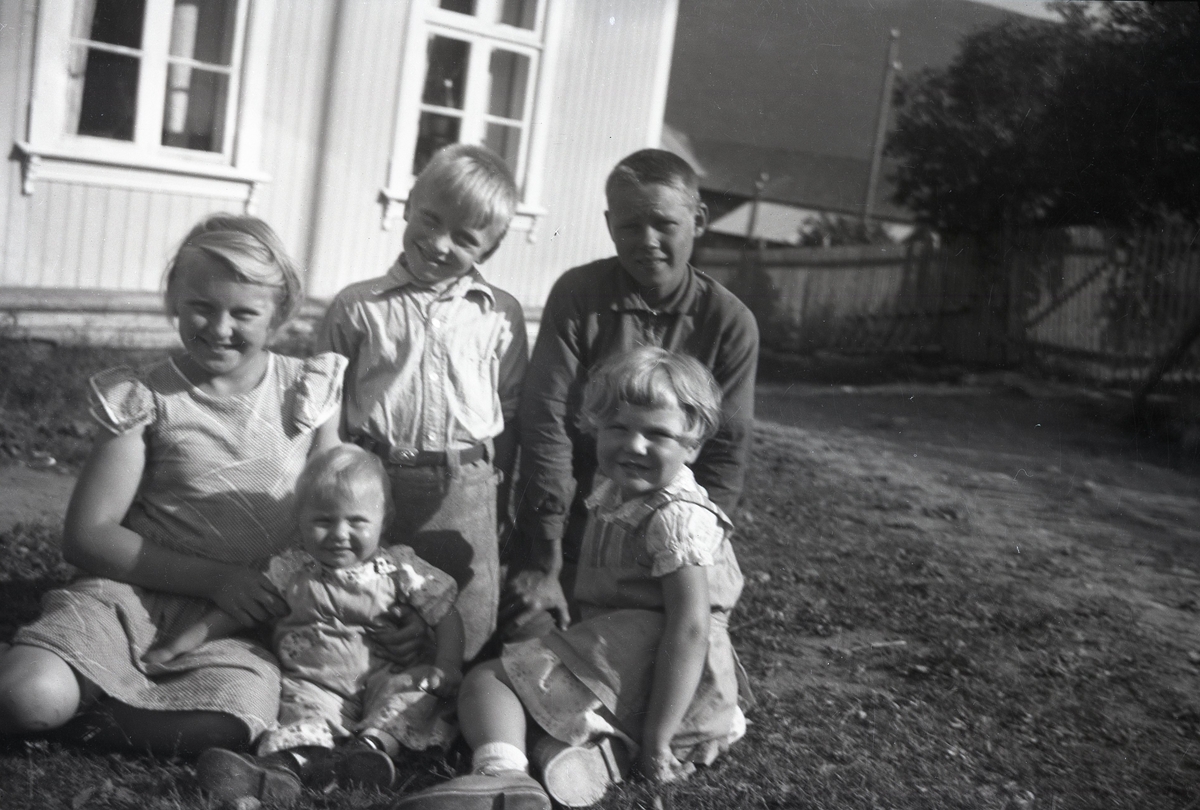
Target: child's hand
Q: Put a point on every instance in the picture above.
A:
(161, 655)
(400, 636)
(530, 592)
(250, 598)
(663, 766)
(440, 681)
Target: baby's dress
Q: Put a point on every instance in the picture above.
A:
(595, 678)
(219, 479)
(332, 684)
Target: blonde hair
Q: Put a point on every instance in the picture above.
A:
(647, 167)
(337, 470)
(653, 377)
(476, 178)
(251, 250)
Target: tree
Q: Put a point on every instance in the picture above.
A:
(1091, 120)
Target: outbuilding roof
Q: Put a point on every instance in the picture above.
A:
(820, 182)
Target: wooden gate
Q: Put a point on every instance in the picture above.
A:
(1105, 304)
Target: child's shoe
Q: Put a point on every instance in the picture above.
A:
(228, 776)
(360, 764)
(507, 790)
(580, 775)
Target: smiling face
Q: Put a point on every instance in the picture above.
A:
(341, 527)
(641, 448)
(653, 228)
(443, 239)
(225, 323)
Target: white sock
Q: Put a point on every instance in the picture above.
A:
(494, 757)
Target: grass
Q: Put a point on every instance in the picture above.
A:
(902, 653)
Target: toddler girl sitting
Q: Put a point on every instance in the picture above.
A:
(650, 668)
(335, 690)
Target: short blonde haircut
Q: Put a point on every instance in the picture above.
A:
(251, 250)
(651, 377)
(475, 177)
(337, 470)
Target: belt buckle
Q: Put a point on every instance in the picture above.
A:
(406, 455)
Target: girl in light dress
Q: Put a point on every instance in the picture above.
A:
(649, 672)
(186, 495)
(338, 583)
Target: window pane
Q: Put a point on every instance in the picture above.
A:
(434, 132)
(461, 6)
(194, 112)
(446, 77)
(505, 141)
(117, 22)
(509, 73)
(521, 13)
(197, 99)
(107, 105)
(203, 30)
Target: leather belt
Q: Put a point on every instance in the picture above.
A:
(422, 458)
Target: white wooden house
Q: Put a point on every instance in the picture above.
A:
(128, 120)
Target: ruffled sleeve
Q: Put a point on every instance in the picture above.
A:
(119, 401)
(319, 389)
(680, 534)
(284, 567)
(429, 590)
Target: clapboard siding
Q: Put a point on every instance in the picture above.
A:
(16, 65)
(604, 107)
(328, 127)
(301, 49)
(350, 243)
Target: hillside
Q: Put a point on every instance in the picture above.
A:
(803, 74)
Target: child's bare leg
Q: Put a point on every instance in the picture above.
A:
(491, 716)
(39, 691)
(113, 725)
(493, 722)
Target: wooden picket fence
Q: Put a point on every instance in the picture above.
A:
(860, 299)
(1106, 304)
(1101, 305)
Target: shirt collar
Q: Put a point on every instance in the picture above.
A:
(398, 277)
(607, 497)
(629, 296)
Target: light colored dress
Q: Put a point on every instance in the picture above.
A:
(595, 678)
(332, 683)
(219, 479)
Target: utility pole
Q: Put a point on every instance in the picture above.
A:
(885, 105)
(759, 185)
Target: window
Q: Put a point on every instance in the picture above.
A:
(474, 72)
(145, 94)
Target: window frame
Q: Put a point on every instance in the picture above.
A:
(540, 44)
(51, 154)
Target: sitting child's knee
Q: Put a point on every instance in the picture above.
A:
(38, 690)
(487, 672)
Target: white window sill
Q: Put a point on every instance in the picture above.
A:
(138, 172)
(524, 221)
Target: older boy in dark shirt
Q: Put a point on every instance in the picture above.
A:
(647, 294)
